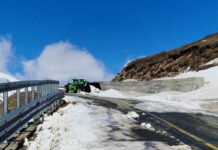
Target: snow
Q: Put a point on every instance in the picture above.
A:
(6, 78)
(147, 126)
(202, 100)
(214, 61)
(89, 127)
(160, 102)
(94, 89)
(109, 93)
(132, 115)
(130, 80)
(210, 74)
(79, 127)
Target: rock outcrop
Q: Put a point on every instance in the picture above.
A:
(191, 57)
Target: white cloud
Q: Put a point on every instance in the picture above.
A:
(64, 61)
(6, 53)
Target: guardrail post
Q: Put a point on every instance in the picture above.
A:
(50, 88)
(43, 90)
(33, 92)
(18, 98)
(46, 87)
(38, 87)
(40, 91)
(5, 103)
(56, 87)
(26, 95)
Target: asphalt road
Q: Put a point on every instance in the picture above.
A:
(196, 130)
(203, 126)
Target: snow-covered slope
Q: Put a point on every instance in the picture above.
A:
(6, 78)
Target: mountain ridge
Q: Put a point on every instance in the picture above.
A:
(190, 57)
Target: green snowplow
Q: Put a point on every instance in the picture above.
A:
(77, 85)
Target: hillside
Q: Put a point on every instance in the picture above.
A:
(196, 56)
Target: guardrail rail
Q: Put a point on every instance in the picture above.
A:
(22, 101)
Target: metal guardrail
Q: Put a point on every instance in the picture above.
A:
(27, 98)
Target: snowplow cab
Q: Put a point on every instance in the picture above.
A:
(77, 85)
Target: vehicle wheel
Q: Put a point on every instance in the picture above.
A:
(87, 88)
(82, 89)
(75, 90)
(66, 89)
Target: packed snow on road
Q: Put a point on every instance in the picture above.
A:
(86, 126)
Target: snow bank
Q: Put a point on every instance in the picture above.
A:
(132, 115)
(215, 61)
(148, 126)
(130, 80)
(109, 93)
(94, 89)
(81, 127)
(65, 129)
(210, 75)
(202, 100)
(161, 102)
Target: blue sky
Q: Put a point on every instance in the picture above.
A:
(113, 31)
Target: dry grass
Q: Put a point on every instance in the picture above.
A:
(12, 101)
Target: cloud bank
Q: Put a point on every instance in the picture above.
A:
(64, 61)
(6, 53)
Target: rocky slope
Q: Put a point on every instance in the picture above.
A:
(192, 57)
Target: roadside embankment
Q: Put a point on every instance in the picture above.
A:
(156, 86)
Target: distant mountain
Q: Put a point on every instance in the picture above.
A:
(196, 56)
(6, 78)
